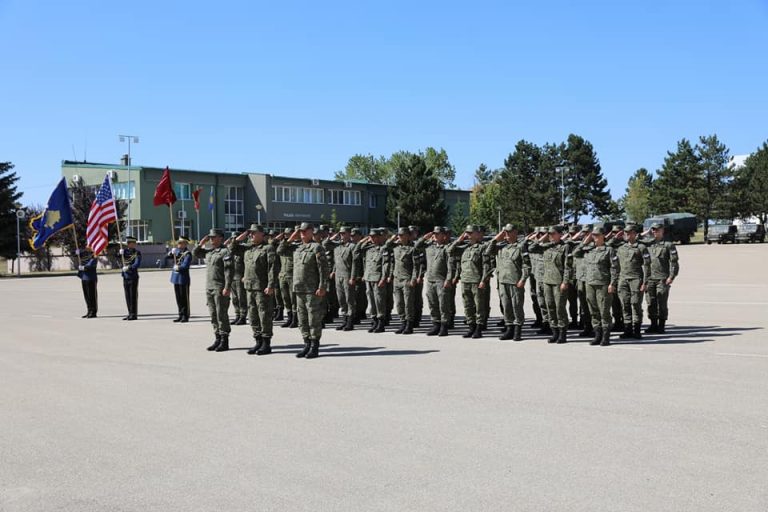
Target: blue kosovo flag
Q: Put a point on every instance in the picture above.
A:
(56, 216)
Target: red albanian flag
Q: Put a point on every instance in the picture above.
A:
(196, 197)
(164, 193)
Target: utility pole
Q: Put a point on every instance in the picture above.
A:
(135, 140)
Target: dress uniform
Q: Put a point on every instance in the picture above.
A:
(601, 265)
(132, 261)
(557, 274)
(238, 295)
(218, 283)
(475, 279)
(346, 292)
(260, 282)
(513, 267)
(310, 284)
(286, 285)
(86, 271)
(665, 265)
(402, 271)
(373, 253)
(635, 264)
(182, 258)
(438, 277)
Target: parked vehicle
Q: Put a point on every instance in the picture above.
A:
(678, 227)
(750, 233)
(721, 234)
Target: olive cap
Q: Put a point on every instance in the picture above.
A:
(586, 228)
(657, 225)
(403, 231)
(305, 225)
(599, 230)
(439, 229)
(556, 229)
(256, 227)
(216, 232)
(510, 227)
(631, 227)
(356, 231)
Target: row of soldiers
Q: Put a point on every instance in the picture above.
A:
(317, 275)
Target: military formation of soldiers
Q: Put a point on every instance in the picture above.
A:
(579, 278)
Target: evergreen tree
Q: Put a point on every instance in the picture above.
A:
(483, 175)
(546, 185)
(636, 200)
(676, 186)
(437, 162)
(366, 168)
(523, 202)
(458, 217)
(585, 185)
(484, 202)
(9, 203)
(714, 181)
(417, 192)
(749, 197)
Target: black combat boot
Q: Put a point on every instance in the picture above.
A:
(598, 336)
(374, 324)
(653, 328)
(305, 350)
(184, 319)
(401, 329)
(470, 331)
(450, 323)
(478, 331)
(215, 344)
(350, 325)
(518, 333)
(574, 324)
(443, 330)
(545, 329)
(382, 322)
(177, 320)
(606, 337)
(618, 326)
(280, 315)
(288, 320)
(224, 345)
(343, 323)
(508, 333)
(314, 349)
(588, 332)
(435, 329)
(294, 320)
(408, 328)
(636, 331)
(259, 341)
(555, 335)
(662, 326)
(501, 323)
(563, 337)
(627, 334)
(266, 347)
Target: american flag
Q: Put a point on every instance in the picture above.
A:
(102, 212)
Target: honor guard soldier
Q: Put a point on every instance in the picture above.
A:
(182, 259)
(131, 257)
(218, 283)
(402, 270)
(635, 265)
(438, 277)
(260, 281)
(557, 274)
(665, 266)
(286, 282)
(358, 269)
(475, 278)
(371, 250)
(342, 273)
(86, 271)
(420, 268)
(238, 295)
(310, 283)
(601, 265)
(513, 267)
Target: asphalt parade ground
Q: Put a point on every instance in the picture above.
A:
(107, 415)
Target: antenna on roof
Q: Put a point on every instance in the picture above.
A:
(85, 151)
(74, 155)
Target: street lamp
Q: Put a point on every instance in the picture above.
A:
(398, 218)
(20, 215)
(259, 207)
(135, 140)
(499, 209)
(562, 170)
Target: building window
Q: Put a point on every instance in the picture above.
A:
(140, 229)
(373, 201)
(234, 213)
(182, 191)
(303, 195)
(183, 228)
(124, 191)
(344, 197)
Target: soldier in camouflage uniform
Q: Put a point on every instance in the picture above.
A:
(371, 249)
(402, 270)
(331, 298)
(238, 296)
(557, 274)
(581, 286)
(601, 265)
(513, 266)
(665, 266)
(635, 264)
(573, 295)
(456, 268)
(475, 278)
(218, 284)
(537, 281)
(310, 284)
(438, 277)
(285, 279)
(342, 273)
(278, 296)
(419, 289)
(615, 239)
(358, 269)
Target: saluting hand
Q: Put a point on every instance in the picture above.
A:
(382, 283)
(269, 291)
(563, 287)
(520, 284)
(320, 292)
(225, 292)
(611, 289)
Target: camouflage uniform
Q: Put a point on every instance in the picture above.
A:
(237, 293)
(358, 269)
(285, 279)
(439, 272)
(475, 270)
(665, 265)
(261, 273)
(601, 265)
(219, 272)
(403, 270)
(635, 263)
(557, 270)
(420, 263)
(374, 256)
(537, 284)
(343, 271)
(513, 265)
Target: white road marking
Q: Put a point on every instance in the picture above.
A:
(740, 355)
(627, 348)
(734, 285)
(721, 303)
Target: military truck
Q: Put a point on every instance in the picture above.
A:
(721, 234)
(750, 233)
(678, 227)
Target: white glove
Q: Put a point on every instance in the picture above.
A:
(125, 268)
(120, 252)
(175, 268)
(81, 268)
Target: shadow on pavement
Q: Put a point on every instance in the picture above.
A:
(686, 334)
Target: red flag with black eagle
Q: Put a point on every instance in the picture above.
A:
(164, 193)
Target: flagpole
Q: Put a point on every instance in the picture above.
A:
(173, 232)
(77, 246)
(198, 224)
(117, 214)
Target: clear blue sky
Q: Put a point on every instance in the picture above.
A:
(296, 88)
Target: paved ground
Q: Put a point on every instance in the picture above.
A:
(102, 414)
